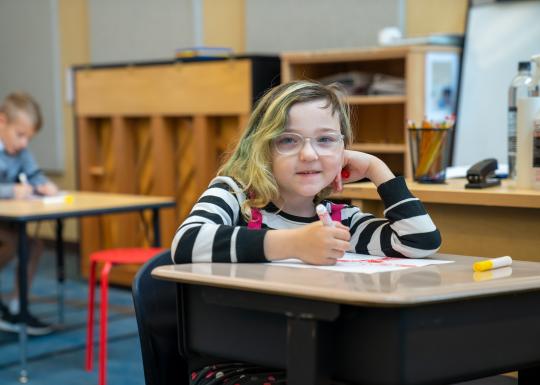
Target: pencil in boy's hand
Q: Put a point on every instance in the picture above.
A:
(324, 216)
(23, 178)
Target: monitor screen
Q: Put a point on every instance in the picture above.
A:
(498, 36)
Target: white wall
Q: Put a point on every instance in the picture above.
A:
(281, 25)
(30, 61)
(139, 30)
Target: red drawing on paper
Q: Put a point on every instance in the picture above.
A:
(383, 261)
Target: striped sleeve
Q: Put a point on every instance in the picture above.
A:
(406, 231)
(211, 233)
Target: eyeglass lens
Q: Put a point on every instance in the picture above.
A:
(291, 143)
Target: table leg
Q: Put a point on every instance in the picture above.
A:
(155, 223)
(22, 275)
(305, 364)
(529, 376)
(60, 268)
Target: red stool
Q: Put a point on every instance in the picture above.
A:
(109, 257)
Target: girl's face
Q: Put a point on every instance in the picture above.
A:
(303, 175)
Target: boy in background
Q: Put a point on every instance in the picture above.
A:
(20, 177)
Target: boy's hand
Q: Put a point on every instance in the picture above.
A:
(22, 190)
(358, 165)
(314, 243)
(47, 189)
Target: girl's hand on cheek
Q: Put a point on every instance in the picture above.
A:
(321, 245)
(358, 165)
(355, 166)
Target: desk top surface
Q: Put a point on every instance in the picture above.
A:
(454, 192)
(434, 283)
(79, 203)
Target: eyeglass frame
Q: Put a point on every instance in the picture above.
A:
(340, 136)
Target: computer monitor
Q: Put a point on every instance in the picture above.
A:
(499, 35)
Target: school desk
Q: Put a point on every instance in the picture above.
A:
(432, 325)
(78, 204)
(487, 222)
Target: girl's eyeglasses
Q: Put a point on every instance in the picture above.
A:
(290, 143)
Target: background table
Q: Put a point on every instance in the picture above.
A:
(488, 222)
(82, 204)
(436, 324)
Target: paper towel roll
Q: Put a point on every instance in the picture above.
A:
(528, 109)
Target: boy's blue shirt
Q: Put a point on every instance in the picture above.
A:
(12, 165)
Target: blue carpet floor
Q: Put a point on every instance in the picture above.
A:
(58, 358)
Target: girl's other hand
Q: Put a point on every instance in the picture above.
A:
(317, 244)
(314, 243)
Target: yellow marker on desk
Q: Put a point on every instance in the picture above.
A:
(492, 263)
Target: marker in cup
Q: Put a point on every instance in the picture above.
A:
(492, 263)
(324, 216)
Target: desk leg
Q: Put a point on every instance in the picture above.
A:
(155, 223)
(529, 376)
(304, 362)
(22, 274)
(60, 268)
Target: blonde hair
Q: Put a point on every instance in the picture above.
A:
(251, 161)
(21, 102)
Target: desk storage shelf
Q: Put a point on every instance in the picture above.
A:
(378, 120)
(158, 129)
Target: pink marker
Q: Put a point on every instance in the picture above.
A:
(324, 216)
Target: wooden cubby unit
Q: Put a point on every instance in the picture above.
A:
(378, 120)
(158, 129)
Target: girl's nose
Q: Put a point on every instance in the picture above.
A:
(308, 152)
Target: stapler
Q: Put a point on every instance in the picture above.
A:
(482, 174)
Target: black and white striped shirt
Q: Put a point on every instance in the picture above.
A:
(215, 230)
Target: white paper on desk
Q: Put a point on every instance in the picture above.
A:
(368, 264)
(58, 198)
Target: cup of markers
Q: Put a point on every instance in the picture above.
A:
(430, 144)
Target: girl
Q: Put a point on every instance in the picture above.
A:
(261, 206)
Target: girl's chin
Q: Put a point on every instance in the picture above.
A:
(310, 191)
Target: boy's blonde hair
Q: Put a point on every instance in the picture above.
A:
(251, 161)
(21, 102)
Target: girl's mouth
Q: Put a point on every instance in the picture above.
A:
(308, 172)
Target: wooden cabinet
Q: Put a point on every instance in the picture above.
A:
(500, 220)
(378, 121)
(158, 129)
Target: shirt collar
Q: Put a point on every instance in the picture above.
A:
(1, 145)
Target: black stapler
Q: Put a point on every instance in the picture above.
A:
(482, 174)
